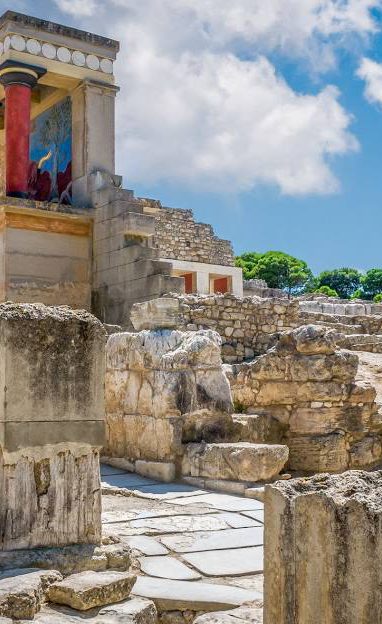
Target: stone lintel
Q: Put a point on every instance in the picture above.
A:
(39, 220)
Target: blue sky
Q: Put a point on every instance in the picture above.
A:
(260, 120)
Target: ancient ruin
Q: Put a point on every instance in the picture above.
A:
(239, 428)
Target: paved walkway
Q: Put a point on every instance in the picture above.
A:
(180, 533)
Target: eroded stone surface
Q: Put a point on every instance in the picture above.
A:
(249, 614)
(22, 591)
(167, 568)
(233, 562)
(132, 611)
(92, 589)
(214, 540)
(190, 595)
(236, 462)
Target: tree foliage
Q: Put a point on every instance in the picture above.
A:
(371, 283)
(344, 281)
(326, 290)
(277, 268)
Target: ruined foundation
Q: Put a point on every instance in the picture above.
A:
(323, 544)
(51, 426)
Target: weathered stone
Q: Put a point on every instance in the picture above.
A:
(132, 611)
(157, 470)
(237, 462)
(308, 339)
(188, 595)
(323, 541)
(156, 314)
(22, 591)
(249, 614)
(207, 426)
(167, 568)
(92, 589)
(318, 453)
(235, 562)
(214, 540)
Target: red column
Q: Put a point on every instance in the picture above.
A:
(17, 132)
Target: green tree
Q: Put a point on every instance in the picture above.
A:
(326, 290)
(378, 298)
(277, 268)
(344, 281)
(372, 283)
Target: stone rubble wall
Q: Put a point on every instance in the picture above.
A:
(329, 422)
(178, 236)
(247, 326)
(322, 550)
(156, 381)
(341, 307)
(51, 426)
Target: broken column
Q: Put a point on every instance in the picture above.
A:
(323, 549)
(51, 426)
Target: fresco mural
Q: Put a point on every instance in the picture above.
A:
(50, 167)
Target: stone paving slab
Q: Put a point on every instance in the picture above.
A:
(223, 502)
(133, 611)
(191, 595)
(167, 491)
(233, 562)
(167, 568)
(238, 521)
(214, 540)
(107, 471)
(116, 516)
(128, 481)
(146, 545)
(248, 614)
(255, 515)
(179, 524)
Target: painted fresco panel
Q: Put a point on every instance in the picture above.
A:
(50, 167)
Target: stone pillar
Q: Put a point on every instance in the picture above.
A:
(93, 136)
(51, 426)
(323, 550)
(18, 81)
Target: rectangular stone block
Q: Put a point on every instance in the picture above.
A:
(322, 550)
(318, 453)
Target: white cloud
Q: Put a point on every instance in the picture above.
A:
(78, 8)
(201, 105)
(371, 73)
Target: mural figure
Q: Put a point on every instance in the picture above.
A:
(50, 169)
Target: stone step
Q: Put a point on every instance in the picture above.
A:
(132, 611)
(22, 591)
(87, 590)
(235, 462)
(192, 595)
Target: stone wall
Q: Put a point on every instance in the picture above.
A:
(178, 236)
(51, 426)
(322, 549)
(247, 326)
(341, 307)
(329, 422)
(156, 381)
(126, 267)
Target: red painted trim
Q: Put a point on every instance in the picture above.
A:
(17, 131)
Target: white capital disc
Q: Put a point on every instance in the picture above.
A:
(107, 66)
(49, 51)
(18, 43)
(92, 61)
(33, 46)
(7, 43)
(64, 55)
(78, 58)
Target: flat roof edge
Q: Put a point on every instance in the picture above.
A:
(59, 29)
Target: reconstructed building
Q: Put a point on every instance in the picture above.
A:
(70, 234)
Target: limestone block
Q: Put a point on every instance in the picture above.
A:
(132, 611)
(308, 339)
(259, 428)
(86, 590)
(50, 496)
(22, 591)
(156, 314)
(133, 436)
(207, 426)
(323, 420)
(156, 470)
(318, 453)
(322, 545)
(235, 462)
(249, 614)
(61, 355)
(366, 452)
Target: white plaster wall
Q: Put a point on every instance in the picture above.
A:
(204, 271)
